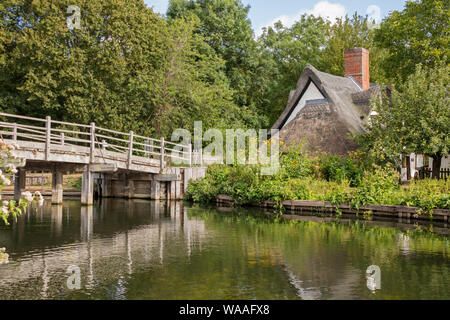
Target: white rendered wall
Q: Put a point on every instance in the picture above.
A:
(311, 93)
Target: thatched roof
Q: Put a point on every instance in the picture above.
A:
(326, 125)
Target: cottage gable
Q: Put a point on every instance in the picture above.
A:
(325, 110)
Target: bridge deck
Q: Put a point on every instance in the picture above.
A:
(68, 154)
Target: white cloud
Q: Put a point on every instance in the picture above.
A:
(374, 13)
(323, 9)
(159, 6)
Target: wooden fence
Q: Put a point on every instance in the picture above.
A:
(428, 173)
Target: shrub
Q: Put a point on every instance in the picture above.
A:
(349, 182)
(378, 187)
(338, 168)
(296, 163)
(427, 194)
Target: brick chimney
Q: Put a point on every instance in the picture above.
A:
(357, 66)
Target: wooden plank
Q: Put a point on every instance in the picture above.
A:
(103, 167)
(48, 128)
(168, 177)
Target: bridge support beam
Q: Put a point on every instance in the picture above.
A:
(106, 185)
(155, 190)
(57, 187)
(129, 188)
(87, 188)
(19, 183)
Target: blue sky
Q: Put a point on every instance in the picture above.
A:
(266, 12)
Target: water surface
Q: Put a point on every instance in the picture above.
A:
(158, 250)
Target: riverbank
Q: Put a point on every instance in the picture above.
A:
(327, 184)
(324, 207)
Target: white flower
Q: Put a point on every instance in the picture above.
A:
(6, 203)
(5, 180)
(41, 202)
(28, 196)
(12, 168)
(5, 210)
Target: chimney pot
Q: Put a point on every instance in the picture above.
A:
(357, 66)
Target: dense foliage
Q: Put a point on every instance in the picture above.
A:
(356, 181)
(414, 118)
(417, 34)
(128, 68)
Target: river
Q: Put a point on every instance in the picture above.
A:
(156, 250)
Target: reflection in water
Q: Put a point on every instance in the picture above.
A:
(57, 219)
(167, 250)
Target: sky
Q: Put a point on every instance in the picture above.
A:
(264, 13)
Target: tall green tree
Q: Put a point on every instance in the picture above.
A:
(125, 68)
(417, 34)
(350, 32)
(414, 119)
(226, 28)
(192, 85)
(82, 74)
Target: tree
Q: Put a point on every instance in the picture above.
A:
(192, 85)
(418, 34)
(126, 68)
(225, 26)
(350, 32)
(81, 75)
(414, 119)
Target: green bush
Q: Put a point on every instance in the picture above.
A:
(427, 194)
(338, 168)
(336, 180)
(380, 186)
(296, 163)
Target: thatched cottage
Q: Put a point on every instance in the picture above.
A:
(326, 110)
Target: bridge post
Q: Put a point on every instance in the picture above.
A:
(14, 132)
(150, 149)
(19, 183)
(87, 188)
(92, 155)
(163, 165)
(129, 188)
(155, 190)
(190, 155)
(48, 132)
(130, 149)
(106, 185)
(57, 187)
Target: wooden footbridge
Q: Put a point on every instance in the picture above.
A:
(103, 155)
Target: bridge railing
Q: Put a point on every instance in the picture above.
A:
(52, 132)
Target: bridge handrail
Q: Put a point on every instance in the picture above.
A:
(57, 136)
(21, 117)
